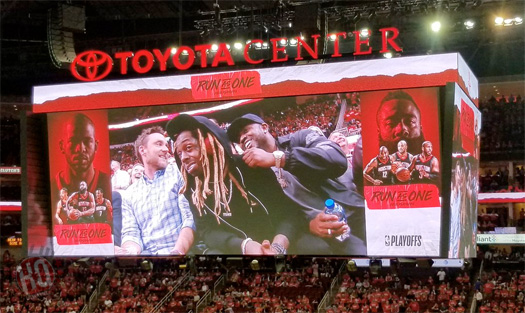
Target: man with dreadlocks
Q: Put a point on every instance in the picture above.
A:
(156, 219)
(237, 210)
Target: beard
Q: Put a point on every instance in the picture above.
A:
(413, 144)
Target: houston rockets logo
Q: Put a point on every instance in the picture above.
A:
(95, 65)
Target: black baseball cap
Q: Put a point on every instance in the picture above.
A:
(184, 122)
(238, 124)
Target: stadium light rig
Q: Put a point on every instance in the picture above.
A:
(469, 24)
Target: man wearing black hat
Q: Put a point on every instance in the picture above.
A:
(307, 166)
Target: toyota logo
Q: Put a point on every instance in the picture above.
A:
(95, 64)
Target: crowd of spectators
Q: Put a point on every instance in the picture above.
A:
(503, 124)
(501, 291)
(186, 297)
(491, 255)
(487, 222)
(489, 219)
(293, 290)
(73, 283)
(321, 112)
(298, 288)
(500, 181)
(125, 154)
(427, 291)
(138, 289)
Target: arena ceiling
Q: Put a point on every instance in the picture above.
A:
(133, 25)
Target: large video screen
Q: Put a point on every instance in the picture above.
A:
(402, 172)
(464, 177)
(346, 158)
(332, 174)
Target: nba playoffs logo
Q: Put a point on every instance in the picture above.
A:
(94, 65)
(35, 275)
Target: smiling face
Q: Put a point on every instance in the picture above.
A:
(188, 150)
(154, 152)
(253, 136)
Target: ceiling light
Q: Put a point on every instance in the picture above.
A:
(237, 45)
(498, 20)
(469, 24)
(435, 26)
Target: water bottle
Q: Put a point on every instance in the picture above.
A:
(333, 208)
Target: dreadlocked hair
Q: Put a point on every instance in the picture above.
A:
(220, 190)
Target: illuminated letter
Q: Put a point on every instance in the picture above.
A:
(386, 40)
(203, 49)
(222, 55)
(163, 58)
(275, 50)
(336, 44)
(247, 47)
(136, 59)
(359, 42)
(311, 52)
(176, 58)
(123, 56)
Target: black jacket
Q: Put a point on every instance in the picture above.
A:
(320, 166)
(269, 212)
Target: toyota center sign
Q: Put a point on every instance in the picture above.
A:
(95, 65)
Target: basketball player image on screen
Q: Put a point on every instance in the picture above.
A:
(399, 118)
(401, 161)
(425, 166)
(81, 206)
(379, 170)
(79, 146)
(60, 210)
(103, 208)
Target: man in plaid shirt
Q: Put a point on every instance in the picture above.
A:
(156, 219)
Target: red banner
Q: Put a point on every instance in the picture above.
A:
(223, 85)
(80, 234)
(467, 127)
(402, 196)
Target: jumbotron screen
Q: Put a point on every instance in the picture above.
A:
(157, 180)
(352, 172)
